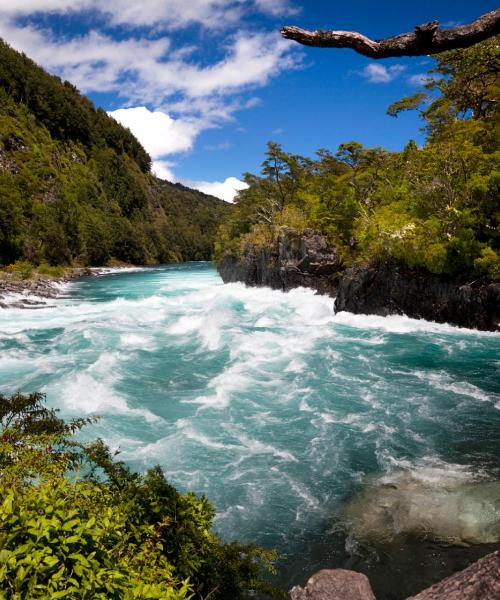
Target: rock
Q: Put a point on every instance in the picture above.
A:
(390, 289)
(307, 260)
(296, 260)
(480, 581)
(335, 584)
(427, 504)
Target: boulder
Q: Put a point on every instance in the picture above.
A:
(427, 504)
(334, 584)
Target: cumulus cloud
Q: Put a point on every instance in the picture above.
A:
(225, 190)
(378, 73)
(157, 131)
(144, 70)
(170, 14)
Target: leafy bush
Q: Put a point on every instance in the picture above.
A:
(49, 271)
(488, 264)
(75, 523)
(21, 269)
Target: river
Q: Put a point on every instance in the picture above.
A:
(269, 404)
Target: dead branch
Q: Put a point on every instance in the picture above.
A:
(427, 38)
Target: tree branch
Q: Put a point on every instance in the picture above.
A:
(427, 38)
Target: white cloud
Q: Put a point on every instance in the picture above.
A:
(225, 190)
(220, 146)
(211, 14)
(377, 73)
(147, 71)
(163, 170)
(157, 131)
(421, 78)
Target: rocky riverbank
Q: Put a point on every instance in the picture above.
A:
(307, 260)
(34, 292)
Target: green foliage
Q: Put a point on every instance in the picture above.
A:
(21, 269)
(488, 263)
(76, 523)
(75, 186)
(435, 207)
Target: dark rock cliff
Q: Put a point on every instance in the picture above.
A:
(296, 260)
(389, 289)
(307, 260)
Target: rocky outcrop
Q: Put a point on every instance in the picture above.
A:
(296, 260)
(480, 581)
(34, 293)
(334, 584)
(389, 289)
(308, 260)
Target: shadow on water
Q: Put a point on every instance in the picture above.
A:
(396, 571)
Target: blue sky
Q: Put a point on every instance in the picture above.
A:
(204, 84)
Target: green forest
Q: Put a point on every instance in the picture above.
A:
(434, 207)
(76, 187)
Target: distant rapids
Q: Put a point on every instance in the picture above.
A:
(276, 409)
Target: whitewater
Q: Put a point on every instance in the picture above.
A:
(275, 408)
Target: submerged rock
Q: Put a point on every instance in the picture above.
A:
(334, 584)
(429, 504)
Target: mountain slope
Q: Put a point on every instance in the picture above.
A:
(76, 187)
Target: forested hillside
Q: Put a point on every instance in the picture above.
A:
(435, 208)
(76, 187)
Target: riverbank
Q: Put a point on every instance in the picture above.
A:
(307, 260)
(35, 290)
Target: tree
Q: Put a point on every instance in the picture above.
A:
(427, 38)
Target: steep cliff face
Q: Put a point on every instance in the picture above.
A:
(296, 260)
(307, 260)
(388, 289)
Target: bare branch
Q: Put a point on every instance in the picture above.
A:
(427, 38)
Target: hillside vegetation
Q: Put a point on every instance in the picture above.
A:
(76, 188)
(435, 207)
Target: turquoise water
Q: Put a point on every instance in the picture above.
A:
(266, 402)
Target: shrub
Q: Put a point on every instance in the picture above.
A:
(21, 269)
(488, 264)
(50, 271)
(75, 523)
